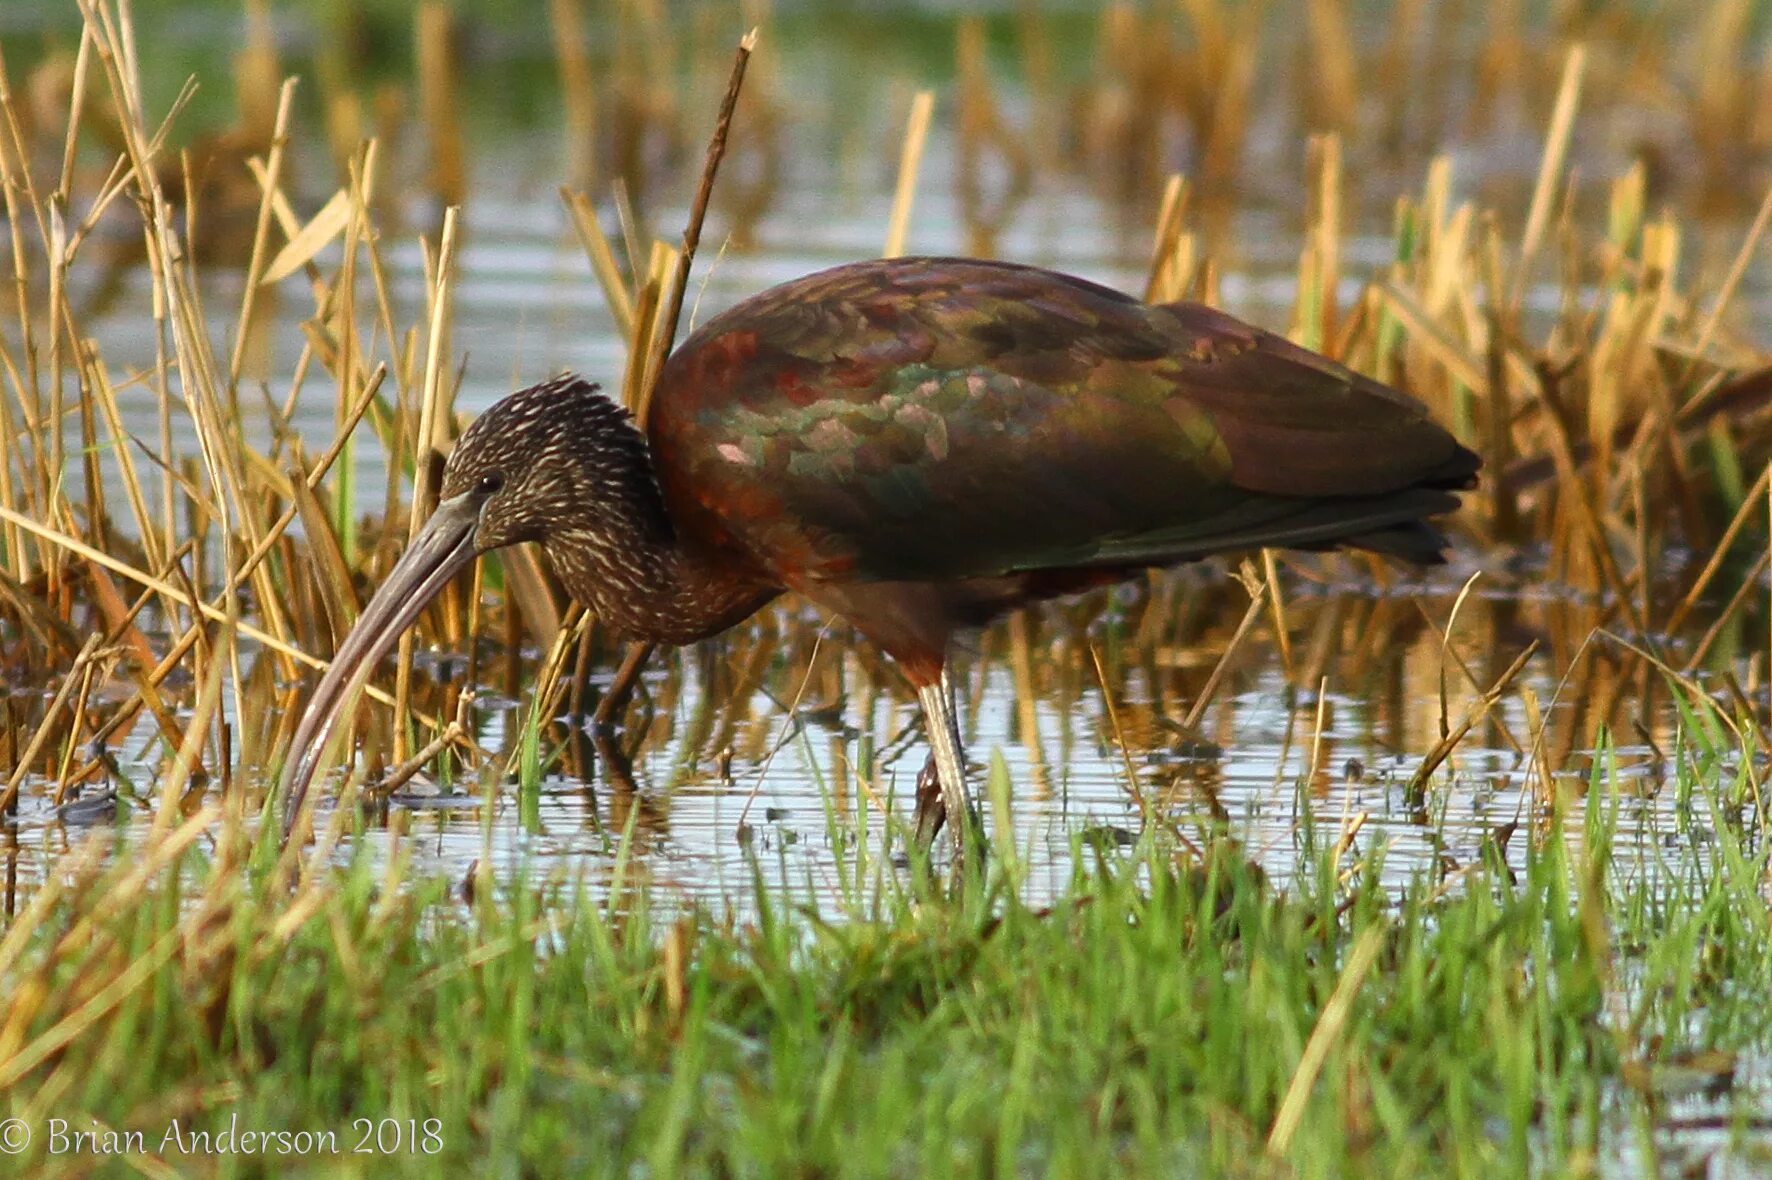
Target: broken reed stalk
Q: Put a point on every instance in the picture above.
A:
(261, 232)
(578, 93)
(1464, 593)
(1163, 284)
(1738, 600)
(548, 691)
(40, 739)
(1270, 572)
(1327, 237)
(1027, 711)
(650, 282)
(455, 731)
(432, 426)
(1334, 67)
(910, 162)
(1324, 1034)
(983, 133)
(1145, 811)
(1478, 710)
(1725, 294)
(666, 337)
(189, 757)
(437, 102)
(1550, 171)
(602, 259)
(1258, 591)
(1749, 507)
(1315, 766)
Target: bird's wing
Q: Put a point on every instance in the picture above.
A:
(944, 418)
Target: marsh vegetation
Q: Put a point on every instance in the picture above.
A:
(1300, 864)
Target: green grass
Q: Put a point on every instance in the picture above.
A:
(1152, 1021)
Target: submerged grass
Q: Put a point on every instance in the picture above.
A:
(1162, 1015)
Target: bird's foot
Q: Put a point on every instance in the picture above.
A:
(933, 806)
(948, 754)
(932, 810)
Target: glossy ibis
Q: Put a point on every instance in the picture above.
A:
(918, 445)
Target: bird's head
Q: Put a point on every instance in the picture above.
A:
(545, 460)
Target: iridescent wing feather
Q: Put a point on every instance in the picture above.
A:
(947, 418)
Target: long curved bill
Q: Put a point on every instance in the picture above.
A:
(442, 548)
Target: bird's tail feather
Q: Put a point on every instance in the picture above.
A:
(1394, 523)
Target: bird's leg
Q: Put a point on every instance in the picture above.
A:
(581, 675)
(943, 724)
(621, 689)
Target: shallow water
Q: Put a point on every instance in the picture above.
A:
(1283, 775)
(780, 787)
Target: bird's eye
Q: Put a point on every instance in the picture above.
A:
(490, 483)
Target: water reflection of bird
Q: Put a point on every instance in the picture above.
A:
(918, 445)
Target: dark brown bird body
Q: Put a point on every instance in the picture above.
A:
(994, 432)
(920, 443)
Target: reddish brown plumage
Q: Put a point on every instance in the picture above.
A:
(920, 443)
